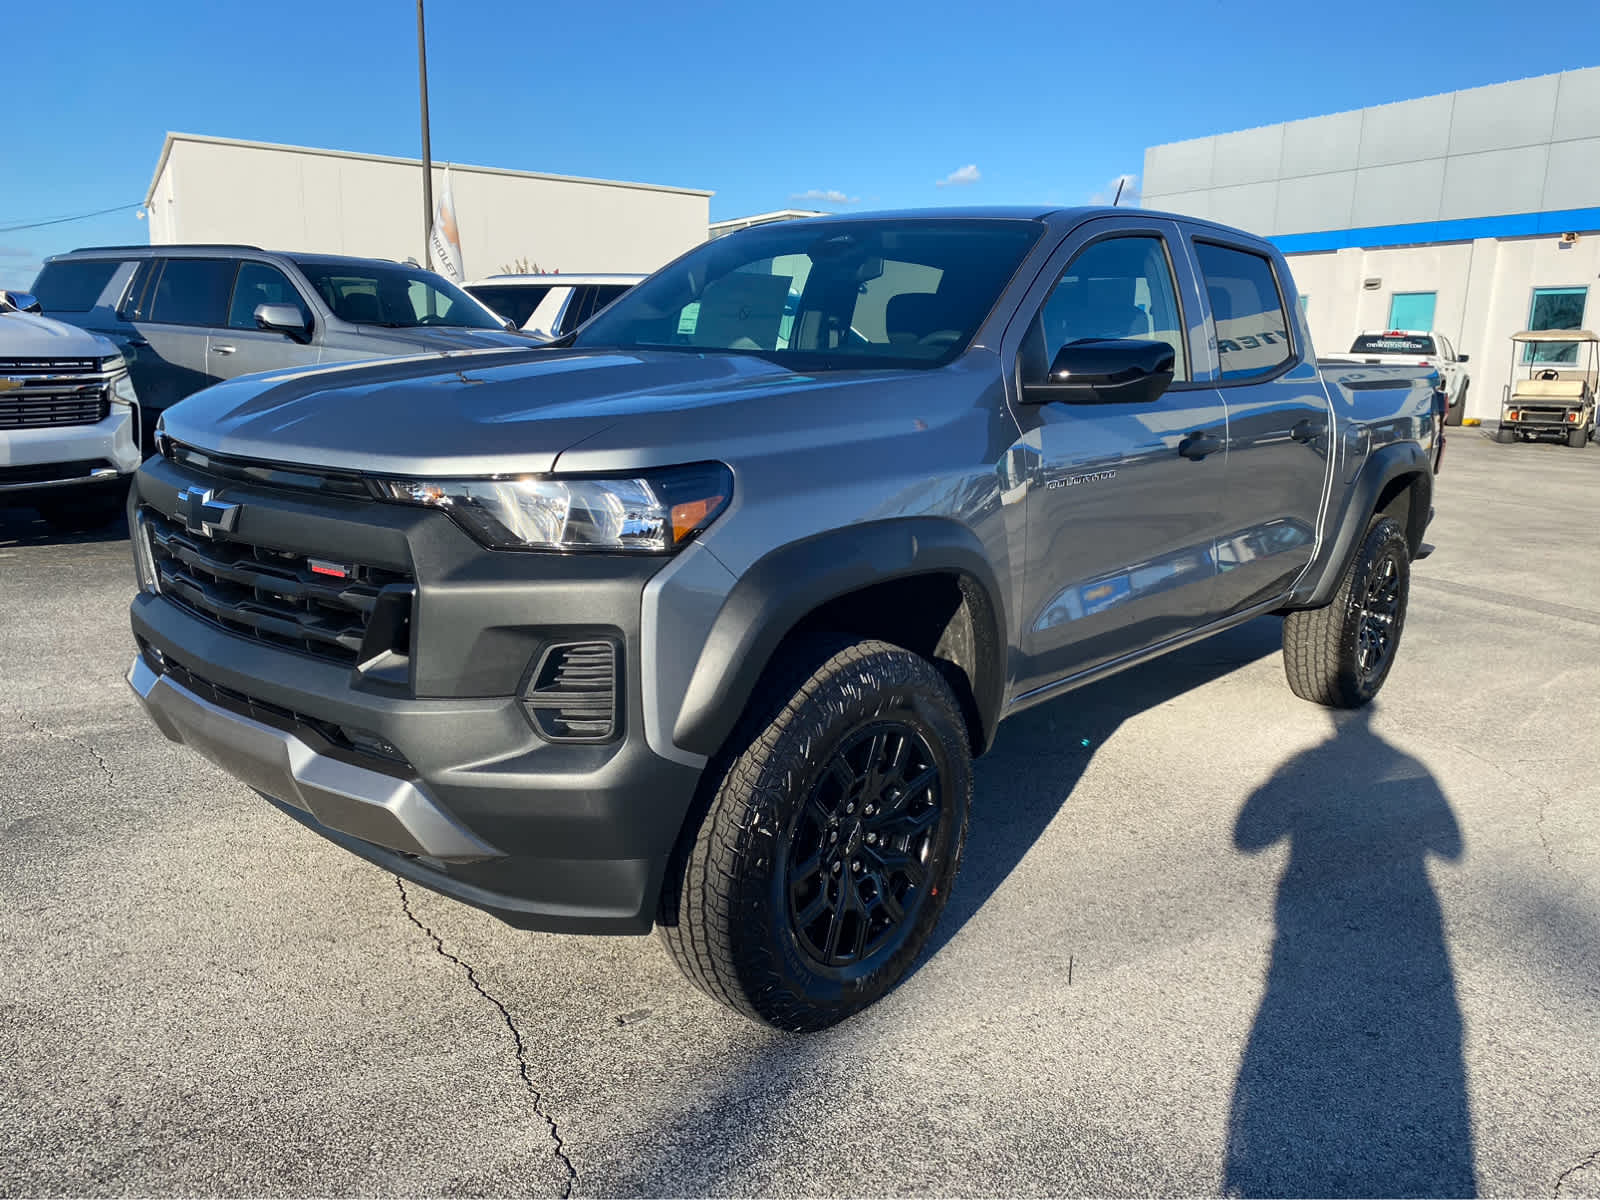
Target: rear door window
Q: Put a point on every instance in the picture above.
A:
(73, 286)
(192, 291)
(1247, 308)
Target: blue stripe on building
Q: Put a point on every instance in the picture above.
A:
(1569, 220)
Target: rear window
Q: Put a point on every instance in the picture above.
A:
(73, 286)
(1252, 330)
(192, 291)
(513, 301)
(1392, 343)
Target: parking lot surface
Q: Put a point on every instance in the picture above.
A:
(1207, 938)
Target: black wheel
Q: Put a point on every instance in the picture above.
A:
(829, 838)
(1456, 411)
(1577, 438)
(1340, 654)
(1505, 434)
(84, 510)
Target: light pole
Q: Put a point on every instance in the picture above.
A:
(427, 153)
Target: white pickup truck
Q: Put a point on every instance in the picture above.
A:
(69, 419)
(1414, 348)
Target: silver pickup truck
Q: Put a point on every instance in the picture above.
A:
(697, 618)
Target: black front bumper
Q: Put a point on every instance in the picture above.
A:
(465, 797)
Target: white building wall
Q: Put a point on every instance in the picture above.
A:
(1530, 145)
(1485, 293)
(294, 198)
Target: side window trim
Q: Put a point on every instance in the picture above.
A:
(131, 307)
(1292, 333)
(1144, 230)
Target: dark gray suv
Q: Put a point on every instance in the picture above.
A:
(186, 317)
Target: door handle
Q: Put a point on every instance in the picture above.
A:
(1197, 445)
(222, 349)
(135, 341)
(1307, 430)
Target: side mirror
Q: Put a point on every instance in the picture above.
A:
(23, 301)
(283, 318)
(1461, 358)
(1105, 371)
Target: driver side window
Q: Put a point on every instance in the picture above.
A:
(1117, 288)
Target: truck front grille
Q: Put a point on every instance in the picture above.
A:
(43, 393)
(339, 612)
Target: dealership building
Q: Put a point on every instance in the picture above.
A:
(209, 189)
(1475, 213)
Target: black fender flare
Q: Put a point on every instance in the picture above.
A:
(1386, 464)
(784, 586)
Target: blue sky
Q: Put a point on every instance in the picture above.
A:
(853, 105)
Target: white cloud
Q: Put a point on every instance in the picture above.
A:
(826, 196)
(960, 177)
(1130, 192)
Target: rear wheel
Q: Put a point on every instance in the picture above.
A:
(1457, 410)
(827, 849)
(1340, 654)
(1505, 434)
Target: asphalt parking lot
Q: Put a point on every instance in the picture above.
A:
(1207, 939)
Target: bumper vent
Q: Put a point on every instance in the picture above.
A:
(572, 693)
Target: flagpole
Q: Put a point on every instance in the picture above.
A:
(427, 152)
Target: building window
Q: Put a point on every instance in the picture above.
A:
(1412, 310)
(1555, 308)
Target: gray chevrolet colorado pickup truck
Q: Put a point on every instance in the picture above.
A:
(697, 618)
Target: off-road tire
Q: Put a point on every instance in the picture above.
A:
(1577, 438)
(727, 905)
(1505, 435)
(1322, 647)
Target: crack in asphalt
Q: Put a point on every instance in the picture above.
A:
(1540, 811)
(1592, 1161)
(516, 1036)
(43, 731)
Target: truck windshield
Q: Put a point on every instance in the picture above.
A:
(823, 295)
(1393, 343)
(397, 297)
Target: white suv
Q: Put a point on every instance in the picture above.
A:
(549, 305)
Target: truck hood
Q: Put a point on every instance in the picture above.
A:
(28, 335)
(503, 411)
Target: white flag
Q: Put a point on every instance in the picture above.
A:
(444, 241)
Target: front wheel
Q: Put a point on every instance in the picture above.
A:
(1340, 654)
(1577, 438)
(834, 831)
(1505, 434)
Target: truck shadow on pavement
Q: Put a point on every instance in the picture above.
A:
(1352, 1081)
(25, 527)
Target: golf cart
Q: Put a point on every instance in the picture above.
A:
(1551, 400)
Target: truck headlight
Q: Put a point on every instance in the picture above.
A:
(122, 391)
(653, 512)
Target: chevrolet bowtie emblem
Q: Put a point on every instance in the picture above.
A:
(203, 515)
(11, 383)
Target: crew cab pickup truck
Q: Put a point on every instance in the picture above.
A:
(696, 618)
